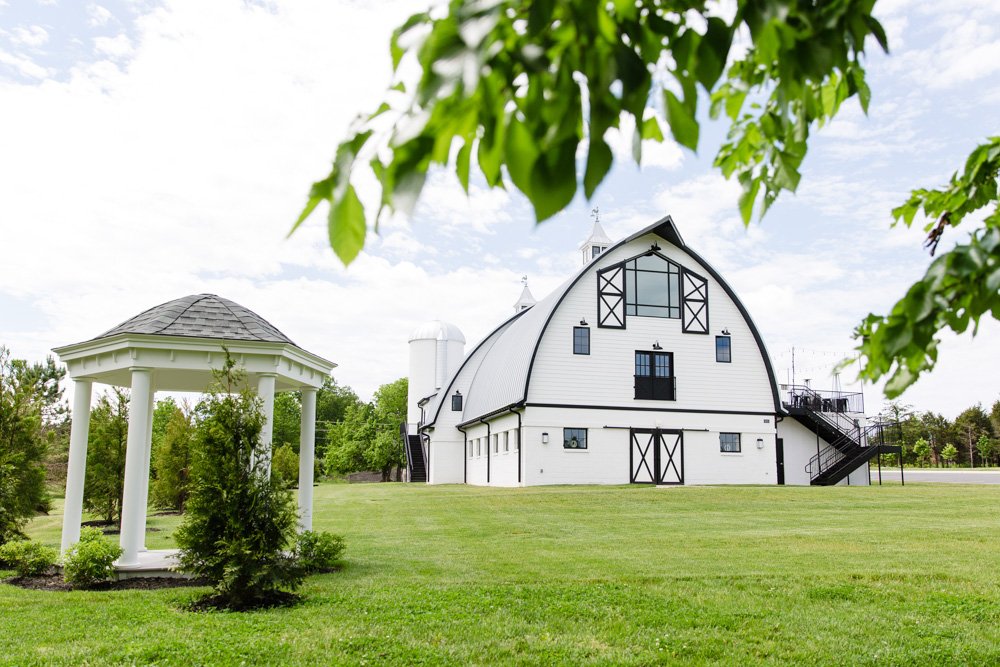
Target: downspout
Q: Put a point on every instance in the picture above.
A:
(465, 455)
(519, 443)
(489, 444)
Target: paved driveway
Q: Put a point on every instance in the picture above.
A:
(961, 476)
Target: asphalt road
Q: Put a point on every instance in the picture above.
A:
(967, 476)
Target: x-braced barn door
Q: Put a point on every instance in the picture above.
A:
(656, 456)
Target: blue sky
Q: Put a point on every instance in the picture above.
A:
(155, 149)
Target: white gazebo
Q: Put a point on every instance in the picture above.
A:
(175, 347)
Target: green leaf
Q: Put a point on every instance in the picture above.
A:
(713, 49)
(522, 152)
(319, 191)
(347, 226)
(683, 125)
(599, 160)
(749, 195)
(462, 164)
(553, 181)
(651, 129)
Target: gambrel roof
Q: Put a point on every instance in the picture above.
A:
(501, 364)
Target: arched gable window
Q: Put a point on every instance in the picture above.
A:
(652, 287)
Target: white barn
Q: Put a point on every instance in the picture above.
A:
(643, 367)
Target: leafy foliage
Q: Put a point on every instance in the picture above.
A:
(22, 449)
(104, 484)
(285, 466)
(319, 551)
(368, 436)
(522, 86)
(959, 287)
(238, 526)
(91, 560)
(28, 558)
(172, 460)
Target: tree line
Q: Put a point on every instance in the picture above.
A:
(351, 436)
(972, 439)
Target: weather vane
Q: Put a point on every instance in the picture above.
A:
(524, 280)
(596, 212)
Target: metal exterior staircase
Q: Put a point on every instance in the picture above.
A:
(850, 444)
(416, 467)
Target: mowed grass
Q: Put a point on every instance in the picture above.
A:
(582, 575)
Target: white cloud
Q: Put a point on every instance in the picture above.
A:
(99, 15)
(32, 36)
(118, 46)
(23, 65)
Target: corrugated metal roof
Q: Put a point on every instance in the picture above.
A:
(201, 316)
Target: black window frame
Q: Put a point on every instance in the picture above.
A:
(579, 343)
(728, 349)
(723, 444)
(633, 308)
(456, 406)
(651, 384)
(567, 438)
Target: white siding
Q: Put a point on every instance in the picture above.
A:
(606, 459)
(605, 376)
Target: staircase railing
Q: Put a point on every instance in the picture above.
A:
(406, 448)
(873, 435)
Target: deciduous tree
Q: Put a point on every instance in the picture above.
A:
(520, 88)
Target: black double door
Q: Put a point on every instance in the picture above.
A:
(656, 456)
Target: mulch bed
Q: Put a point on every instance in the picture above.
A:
(219, 603)
(55, 582)
(111, 527)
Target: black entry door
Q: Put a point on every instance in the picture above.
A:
(656, 456)
(779, 448)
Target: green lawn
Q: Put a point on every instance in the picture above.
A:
(582, 575)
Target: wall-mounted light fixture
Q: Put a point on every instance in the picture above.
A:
(656, 345)
(545, 438)
(725, 332)
(654, 247)
(760, 443)
(583, 321)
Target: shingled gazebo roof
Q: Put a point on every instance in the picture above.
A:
(201, 316)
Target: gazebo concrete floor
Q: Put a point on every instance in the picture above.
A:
(153, 563)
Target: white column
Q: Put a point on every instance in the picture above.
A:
(307, 447)
(133, 515)
(265, 389)
(148, 449)
(77, 468)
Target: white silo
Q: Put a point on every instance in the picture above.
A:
(436, 351)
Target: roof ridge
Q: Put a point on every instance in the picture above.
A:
(241, 320)
(200, 297)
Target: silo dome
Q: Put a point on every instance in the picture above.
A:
(437, 330)
(436, 351)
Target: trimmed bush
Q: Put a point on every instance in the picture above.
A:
(285, 466)
(29, 559)
(91, 560)
(319, 551)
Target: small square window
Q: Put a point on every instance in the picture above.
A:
(723, 349)
(456, 402)
(581, 340)
(574, 438)
(729, 442)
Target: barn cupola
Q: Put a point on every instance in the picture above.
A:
(598, 241)
(526, 300)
